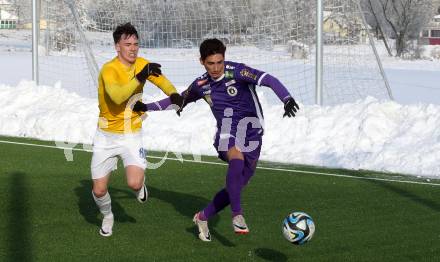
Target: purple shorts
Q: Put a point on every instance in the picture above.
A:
(250, 148)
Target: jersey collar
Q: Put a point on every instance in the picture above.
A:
(218, 79)
(125, 67)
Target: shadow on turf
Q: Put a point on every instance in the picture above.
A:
(88, 209)
(270, 254)
(19, 226)
(188, 205)
(406, 194)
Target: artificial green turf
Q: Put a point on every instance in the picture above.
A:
(47, 214)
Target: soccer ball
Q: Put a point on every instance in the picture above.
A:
(298, 228)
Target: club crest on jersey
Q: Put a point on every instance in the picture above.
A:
(232, 90)
(248, 74)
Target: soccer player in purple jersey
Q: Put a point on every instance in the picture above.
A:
(229, 89)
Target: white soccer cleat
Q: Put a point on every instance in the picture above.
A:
(239, 225)
(204, 234)
(107, 226)
(142, 194)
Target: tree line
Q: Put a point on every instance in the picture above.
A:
(184, 23)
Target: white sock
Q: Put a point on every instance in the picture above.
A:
(142, 187)
(104, 204)
(140, 190)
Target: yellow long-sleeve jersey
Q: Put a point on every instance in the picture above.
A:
(116, 85)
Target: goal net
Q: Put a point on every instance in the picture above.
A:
(277, 36)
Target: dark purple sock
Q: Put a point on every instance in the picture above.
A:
(248, 172)
(220, 201)
(234, 182)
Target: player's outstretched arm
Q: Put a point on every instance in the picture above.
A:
(140, 107)
(177, 100)
(164, 104)
(174, 101)
(290, 105)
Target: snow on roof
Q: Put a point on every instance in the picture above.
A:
(5, 15)
(5, 2)
(325, 14)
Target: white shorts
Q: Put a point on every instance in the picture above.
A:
(108, 146)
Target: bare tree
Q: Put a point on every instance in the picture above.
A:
(373, 20)
(23, 10)
(402, 19)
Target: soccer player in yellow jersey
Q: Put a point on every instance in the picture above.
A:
(119, 128)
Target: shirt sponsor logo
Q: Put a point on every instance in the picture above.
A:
(232, 91)
(230, 67)
(230, 82)
(248, 74)
(229, 74)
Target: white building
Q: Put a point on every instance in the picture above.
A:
(431, 33)
(8, 20)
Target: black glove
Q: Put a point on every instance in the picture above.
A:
(179, 111)
(140, 107)
(290, 107)
(177, 100)
(149, 69)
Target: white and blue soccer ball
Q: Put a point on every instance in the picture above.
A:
(298, 228)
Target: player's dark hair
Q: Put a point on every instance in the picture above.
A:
(128, 29)
(211, 47)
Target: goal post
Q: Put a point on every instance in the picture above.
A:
(373, 46)
(35, 31)
(277, 36)
(319, 51)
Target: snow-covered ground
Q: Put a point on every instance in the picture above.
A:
(401, 136)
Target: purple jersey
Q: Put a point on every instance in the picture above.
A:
(232, 98)
(234, 104)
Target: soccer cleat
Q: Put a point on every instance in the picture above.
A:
(239, 225)
(107, 226)
(142, 194)
(204, 234)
